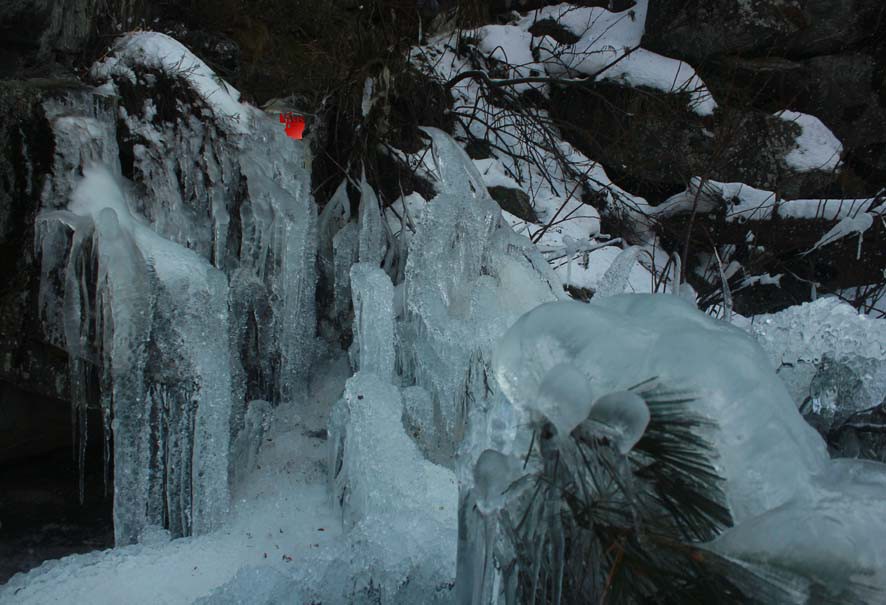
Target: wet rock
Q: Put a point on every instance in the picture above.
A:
(514, 201)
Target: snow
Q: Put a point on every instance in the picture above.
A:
(159, 51)
(847, 226)
(587, 271)
(609, 49)
(827, 209)
(816, 148)
(625, 28)
(512, 46)
(744, 203)
(494, 175)
(644, 68)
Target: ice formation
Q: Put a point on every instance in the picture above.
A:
(468, 276)
(620, 341)
(796, 511)
(186, 291)
(136, 282)
(156, 305)
(399, 508)
(832, 359)
(373, 295)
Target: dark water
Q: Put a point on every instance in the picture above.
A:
(40, 514)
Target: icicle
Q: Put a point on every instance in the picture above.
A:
(456, 171)
(368, 100)
(345, 246)
(677, 279)
(617, 276)
(727, 293)
(373, 295)
(334, 216)
(372, 232)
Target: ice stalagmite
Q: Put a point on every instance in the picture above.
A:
(389, 495)
(373, 319)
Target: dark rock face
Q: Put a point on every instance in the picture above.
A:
(840, 89)
(27, 360)
(514, 201)
(656, 143)
(695, 30)
(33, 32)
(821, 57)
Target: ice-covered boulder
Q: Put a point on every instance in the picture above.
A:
(766, 451)
(832, 359)
(816, 524)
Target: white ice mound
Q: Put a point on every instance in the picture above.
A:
(767, 453)
(159, 51)
(833, 535)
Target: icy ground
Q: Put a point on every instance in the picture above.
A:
(429, 323)
(282, 521)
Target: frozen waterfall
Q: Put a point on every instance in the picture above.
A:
(180, 291)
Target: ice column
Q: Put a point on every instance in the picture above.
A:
(373, 319)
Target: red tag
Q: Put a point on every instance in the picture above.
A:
(295, 125)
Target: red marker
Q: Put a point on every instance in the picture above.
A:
(295, 125)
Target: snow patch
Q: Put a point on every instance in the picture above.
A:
(816, 149)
